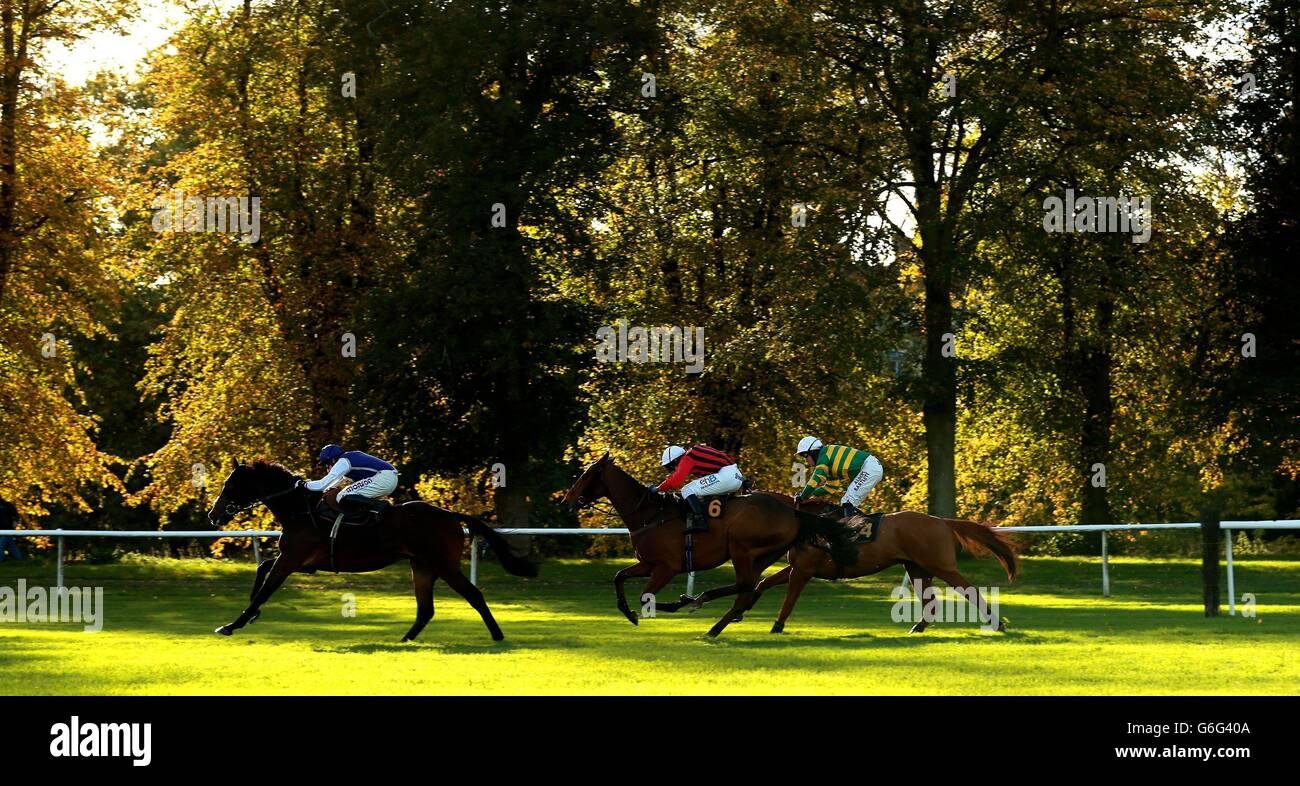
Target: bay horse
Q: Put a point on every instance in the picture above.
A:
(429, 536)
(752, 532)
(926, 545)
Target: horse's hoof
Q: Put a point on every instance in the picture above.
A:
(738, 618)
(254, 618)
(498, 637)
(630, 616)
(778, 628)
(917, 628)
(224, 630)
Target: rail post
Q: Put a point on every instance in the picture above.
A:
(1210, 534)
(58, 568)
(257, 552)
(1105, 566)
(1232, 585)
(473, 560)
(690, 583)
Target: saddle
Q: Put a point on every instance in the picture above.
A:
(365, 510)
(712, 509)
(332, 516)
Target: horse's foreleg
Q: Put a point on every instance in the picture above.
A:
(637, 570)
(660, 575)
(283, 566)
(263, 568)
(921, 582)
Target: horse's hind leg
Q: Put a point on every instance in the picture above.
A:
(698, 601)
(798, 580)
(961, 584)
(746, 578)
(422, 580)
(457, 581)
(782, 576)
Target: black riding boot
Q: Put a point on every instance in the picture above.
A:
(847, 510)
(696, 521)
(357, 510)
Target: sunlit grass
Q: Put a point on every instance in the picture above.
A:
(563, 635)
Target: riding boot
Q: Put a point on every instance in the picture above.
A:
(847, 510)
(696, 521)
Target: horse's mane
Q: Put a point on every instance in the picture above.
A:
(263, 466)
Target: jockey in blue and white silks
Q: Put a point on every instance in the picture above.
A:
(371, 477)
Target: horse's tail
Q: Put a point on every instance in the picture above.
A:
(981, 540)
(513, 563)
(843, 551)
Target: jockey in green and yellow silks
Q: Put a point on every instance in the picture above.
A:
(835, 464)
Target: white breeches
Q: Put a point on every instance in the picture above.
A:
(724, 481)
(867, 478)
(379, 484)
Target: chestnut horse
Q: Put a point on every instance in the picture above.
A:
(752, 532)
(429, 536)
(926, 545)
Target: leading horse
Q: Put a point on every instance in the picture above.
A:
(752, 532)
(429, 536)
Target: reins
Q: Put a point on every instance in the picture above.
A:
(233, 510)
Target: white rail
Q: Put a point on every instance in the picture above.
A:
(60, 534)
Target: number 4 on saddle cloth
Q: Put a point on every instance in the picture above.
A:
(863, 528)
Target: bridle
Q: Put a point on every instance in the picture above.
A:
(234, 509)
(582, 503)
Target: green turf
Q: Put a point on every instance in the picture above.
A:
(564, 636)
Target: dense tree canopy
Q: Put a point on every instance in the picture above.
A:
(431, 213)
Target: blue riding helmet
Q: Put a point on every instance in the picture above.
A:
(329, 454)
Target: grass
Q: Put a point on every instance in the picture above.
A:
(564, 636)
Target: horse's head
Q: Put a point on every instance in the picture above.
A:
(236, 493)
(589, 487)
(247, 485)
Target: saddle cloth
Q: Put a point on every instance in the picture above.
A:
(714, 506)
(864, 528)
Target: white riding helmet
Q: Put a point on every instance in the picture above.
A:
(671, 454)
(808, 444)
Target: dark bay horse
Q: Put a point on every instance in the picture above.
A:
(753, 532)
(429, 536)
(926, 545)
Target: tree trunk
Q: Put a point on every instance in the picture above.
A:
(939, 371)
(1094, 369)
